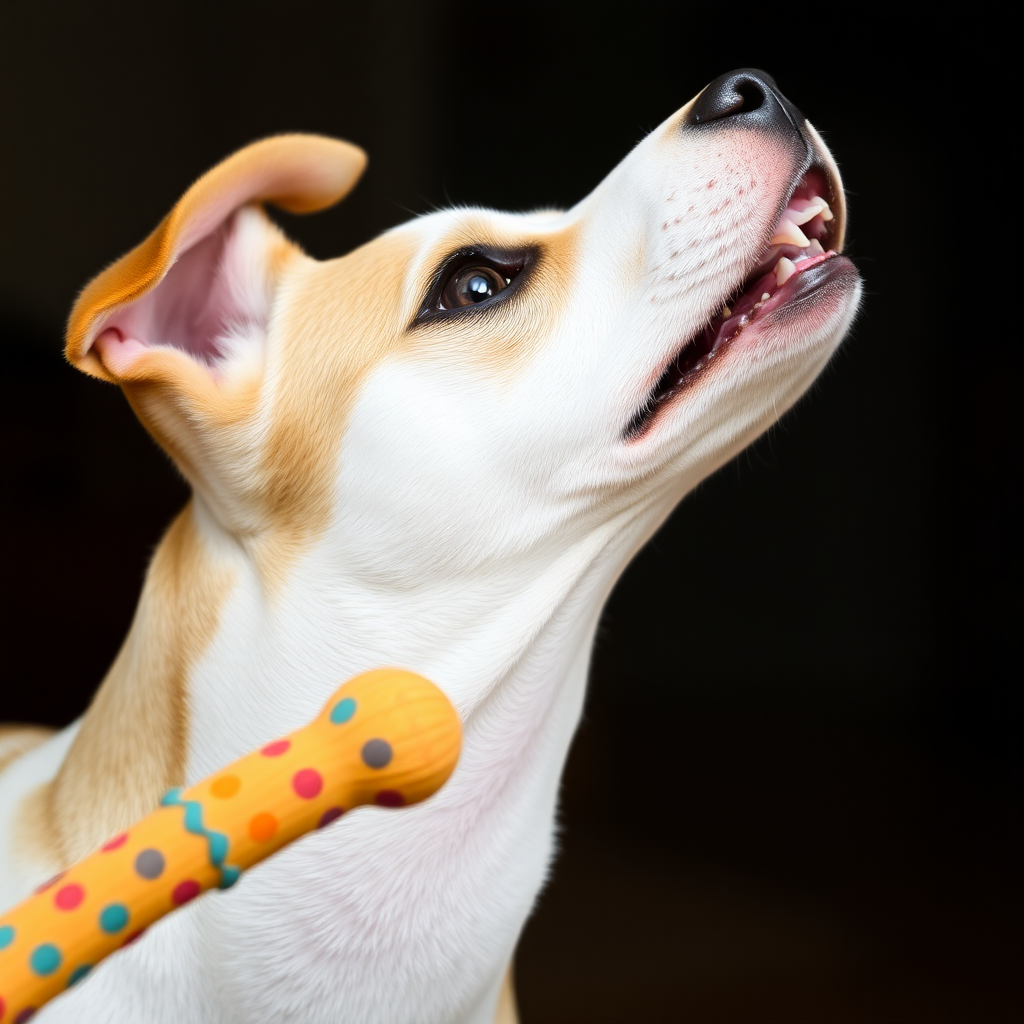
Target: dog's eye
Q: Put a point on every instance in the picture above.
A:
(477, 277)
(471, 285)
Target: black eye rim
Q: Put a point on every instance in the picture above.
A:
(515, 265)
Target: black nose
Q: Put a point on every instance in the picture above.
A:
(746, 97)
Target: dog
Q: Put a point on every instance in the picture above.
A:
(439, 451)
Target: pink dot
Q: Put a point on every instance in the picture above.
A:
(389, 798)
(185, 891)
(115, 843)
(307, 783)
(69, 896)
(276, 749)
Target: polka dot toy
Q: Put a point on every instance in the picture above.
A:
(387, 737)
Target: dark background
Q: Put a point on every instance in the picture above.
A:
(816, 648)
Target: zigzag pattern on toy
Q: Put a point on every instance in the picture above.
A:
(217, 842)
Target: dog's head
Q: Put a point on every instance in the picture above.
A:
(476, 387)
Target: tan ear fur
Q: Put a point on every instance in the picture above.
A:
(299, 173)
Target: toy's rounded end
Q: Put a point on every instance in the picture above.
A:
(411, 735)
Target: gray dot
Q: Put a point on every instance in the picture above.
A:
(376, 753)
(149, 864)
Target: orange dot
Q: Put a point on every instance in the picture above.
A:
(225, 786)
(263, 827)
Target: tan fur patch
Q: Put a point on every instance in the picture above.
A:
(16, 740)
(342, 318)
(131, 746)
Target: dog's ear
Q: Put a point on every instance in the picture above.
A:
(180, 321)
(191, 279)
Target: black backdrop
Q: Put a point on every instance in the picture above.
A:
(830, 830)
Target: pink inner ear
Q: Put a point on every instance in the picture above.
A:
(214, 299)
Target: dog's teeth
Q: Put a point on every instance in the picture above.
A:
(815, 248)
(788, 233)
(800, 211)
(765, 297)
(784, 270)
(726, 311)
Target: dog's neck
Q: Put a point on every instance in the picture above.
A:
(220, 659)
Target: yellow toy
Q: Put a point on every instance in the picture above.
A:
(387, 737)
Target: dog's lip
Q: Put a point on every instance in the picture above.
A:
(747, 301)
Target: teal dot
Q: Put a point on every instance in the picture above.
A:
(113, 917)
(6, 936)
(79, 973)
(45, 959)
(343, 711)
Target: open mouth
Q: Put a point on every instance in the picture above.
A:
(801, 240)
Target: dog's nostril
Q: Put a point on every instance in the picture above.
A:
(727, 96)
(751, 94)
(745, 97)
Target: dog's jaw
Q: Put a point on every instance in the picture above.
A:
(808, 234)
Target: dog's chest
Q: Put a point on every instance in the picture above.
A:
(396, 917)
